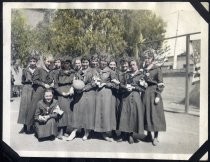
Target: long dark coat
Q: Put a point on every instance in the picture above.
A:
(65, 79)
(84, 102)
(105, 118)
(27, 92)
(49, 128)
(132, 113)
(40, 77)
(55, 74)
(154, 115)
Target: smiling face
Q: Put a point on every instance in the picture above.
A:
(48, 96)
(85, 64)
(113, 65)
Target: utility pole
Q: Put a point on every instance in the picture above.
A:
(175, 56)
(187, 84)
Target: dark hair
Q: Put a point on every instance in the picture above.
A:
(85, 58)
(94, 57)
(124, 60)
(48, 90)
(33, 57)
(113, 60)
(133, 59)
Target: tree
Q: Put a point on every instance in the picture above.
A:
(20, 38)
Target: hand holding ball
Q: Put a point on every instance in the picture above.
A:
(78, 84)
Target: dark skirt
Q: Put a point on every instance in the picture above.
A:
(84, 110)
(37, 96)
(46, 130)
(132, 113)
(66, 118)
(154, 113)
(25, 103)
(105, 117)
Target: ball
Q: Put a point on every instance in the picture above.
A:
(78, 84)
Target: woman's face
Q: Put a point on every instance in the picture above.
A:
(57, 64)
(148, 60)
(94, 63)
(85, 64)
(133, 66)
(124, 66)
(103, 64)
(49, 63)
(112, 65)
(48, 96)
(66, 65)
(32, 63)
(77, 65)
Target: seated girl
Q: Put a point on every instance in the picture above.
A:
(46, 116)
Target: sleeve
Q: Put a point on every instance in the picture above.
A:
(37, 112)
(112, 84)
(89, 84)
(54, 114)
(23, 79)
(36, 78)
(160, 84)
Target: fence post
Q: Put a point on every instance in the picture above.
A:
(187, 97)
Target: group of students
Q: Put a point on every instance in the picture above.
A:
(63, 97)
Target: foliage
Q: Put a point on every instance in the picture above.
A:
(79, 32)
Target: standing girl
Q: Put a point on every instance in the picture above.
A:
(84, 102)
(65, 92)
(27, 92)
(154, 116)
(132, 109)
(105, 117)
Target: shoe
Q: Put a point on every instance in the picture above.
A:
(119, 140)
(71, 137)
(155, 142)
(130, 140)
(84, 138)
(66, 135)
(136, 140)
(22, 131)
(148, 138)
(106, 138)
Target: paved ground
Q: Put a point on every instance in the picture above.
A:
(182, 136)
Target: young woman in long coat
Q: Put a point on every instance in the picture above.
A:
(105, 117)
(154, 116)
(41, 79)
(27, 92)
(84, 102)
(132, 109)
(65, 93)
(46, 116)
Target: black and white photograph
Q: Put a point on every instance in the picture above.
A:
(105, 80)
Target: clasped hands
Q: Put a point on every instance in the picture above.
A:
(44, 118)
(130, 87)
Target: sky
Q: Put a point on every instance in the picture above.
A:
(188, 21)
